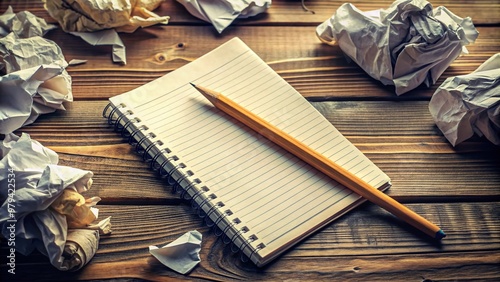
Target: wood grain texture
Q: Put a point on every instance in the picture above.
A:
(405, 144)
(291, 12)
(360, 121)
(458, 188)
(359, 246)
(316, 70)
(420, 177)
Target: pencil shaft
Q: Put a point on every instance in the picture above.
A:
(320, 162)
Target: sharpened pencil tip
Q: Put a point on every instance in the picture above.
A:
(209, 94)
(440, 235)
(192, 84)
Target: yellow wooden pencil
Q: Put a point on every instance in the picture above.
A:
(320, 162)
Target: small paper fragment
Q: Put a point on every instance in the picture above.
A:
(76, 62)
(106, 37)
(182, 255)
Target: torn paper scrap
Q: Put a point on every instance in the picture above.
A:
(76, 62)
(26, 94)
(106, 37)
(468, 104)
(405, 45)
(103, 226)
(23, 24)
(94, 15)
(26, 213)
(182, 255)
(221, 13)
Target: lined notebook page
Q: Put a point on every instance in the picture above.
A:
(277, 196)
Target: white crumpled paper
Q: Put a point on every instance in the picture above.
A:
(98, 21)
(22, 53)
(182, 255)
(221, 13)
(405, 45)
(31, 182)
(36, 81)
(26, 94)
(94, 15)
(468, 104)
(24, 24)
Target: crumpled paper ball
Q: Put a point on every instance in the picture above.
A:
(36, 81)
(469, 104)
(24, 24)
(26, 94)
(181, 255)
(221, 13)
(31, 183)
(94, 15)
(405, 45)
(22, 53)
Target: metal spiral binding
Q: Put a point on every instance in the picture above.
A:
(146, 156)
(194, 205)
(255, 250)
(170, 178)
(118, 120)
(212, 209)
(225, 233)
(162, 166)
(138, 146)
(189, 187)
(124, 130)
(115, 118)
(105, 110)
(242, 230)
(131, 139)
(176, 185)
(201, 213)
(246, 244)
(219, 219)
(112, 121)
(154, 161)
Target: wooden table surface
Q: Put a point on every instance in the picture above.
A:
(458, 188)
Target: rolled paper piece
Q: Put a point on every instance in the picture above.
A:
(81, 246)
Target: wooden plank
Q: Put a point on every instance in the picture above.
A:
(286, 12)
(465, 266)
(405, 144)
(365, 243)
(415, 177)
(364, 122)
(455, 187)
(316, 70)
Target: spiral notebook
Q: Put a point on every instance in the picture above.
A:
(260, 198)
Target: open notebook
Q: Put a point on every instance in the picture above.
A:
(261, 198)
